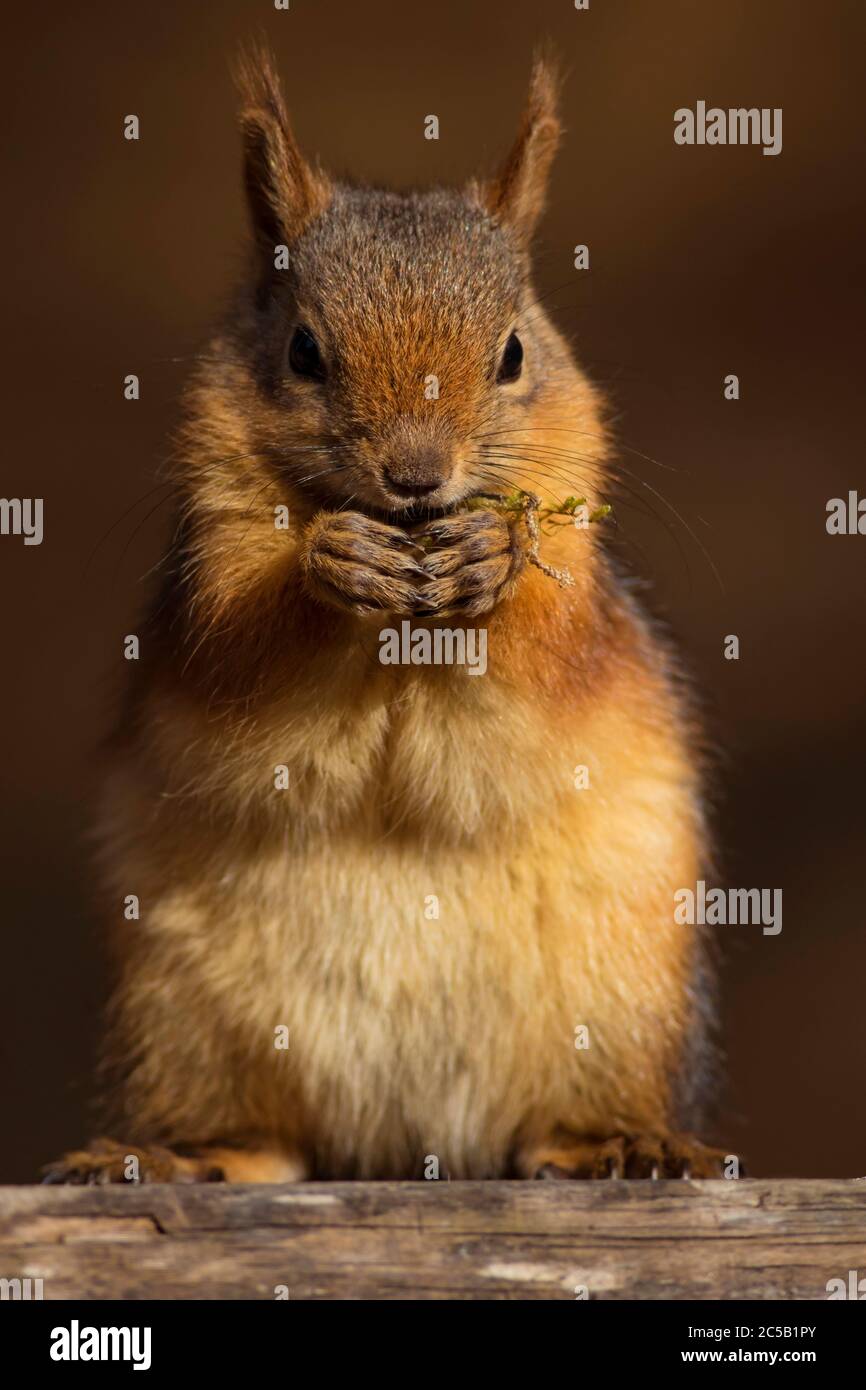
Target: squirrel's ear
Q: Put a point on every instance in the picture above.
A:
(516, 195)
(284, 191)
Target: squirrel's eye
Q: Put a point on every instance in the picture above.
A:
(304, 356)
(512, 360)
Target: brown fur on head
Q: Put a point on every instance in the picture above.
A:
(386, 343)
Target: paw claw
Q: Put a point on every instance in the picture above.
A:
(551, 1172)
(653, 1157)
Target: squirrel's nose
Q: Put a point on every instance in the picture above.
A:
(416, 489)
(416, 455)
(416, 472)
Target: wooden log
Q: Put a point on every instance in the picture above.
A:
(437, 1240)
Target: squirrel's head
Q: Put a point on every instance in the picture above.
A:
(386, 339)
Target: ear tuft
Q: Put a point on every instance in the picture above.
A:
(516, 195)
(284, 191)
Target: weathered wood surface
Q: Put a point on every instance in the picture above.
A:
(461, 1240)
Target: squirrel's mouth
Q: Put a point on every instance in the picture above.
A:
(411, 515)
(419, 511)
(396, 505)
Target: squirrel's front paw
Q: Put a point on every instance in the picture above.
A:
(353, 562)
(472, 563)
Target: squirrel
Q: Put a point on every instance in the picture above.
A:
(382, 931)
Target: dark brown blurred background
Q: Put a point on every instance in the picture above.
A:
(704, 262)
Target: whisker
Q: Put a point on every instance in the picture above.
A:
(534, 303)
(556, 429)
(175, 485)
(671, 508)
(615, 521)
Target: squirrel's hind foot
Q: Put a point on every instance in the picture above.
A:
(106, 1161)
(631, 1156)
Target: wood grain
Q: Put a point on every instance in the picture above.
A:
(462, 1240)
